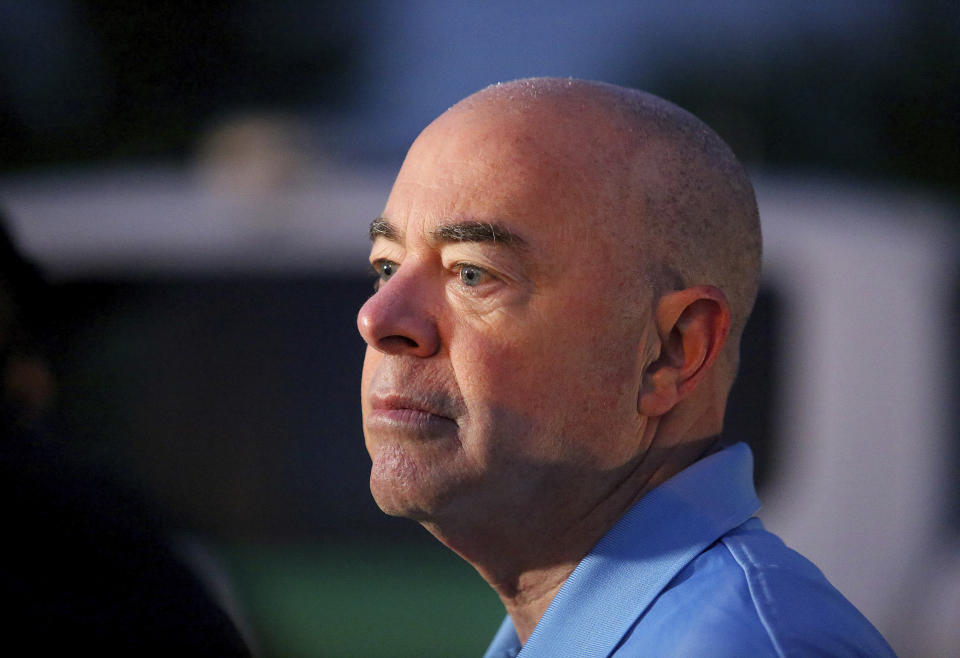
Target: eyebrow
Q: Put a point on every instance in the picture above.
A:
(469, 231)
(382, 228)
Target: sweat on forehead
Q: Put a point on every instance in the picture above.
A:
(585, 101)
(615, 134)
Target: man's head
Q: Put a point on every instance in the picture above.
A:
(564, 271)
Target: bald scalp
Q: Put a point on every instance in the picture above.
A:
(690, 210)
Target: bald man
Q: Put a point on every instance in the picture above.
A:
(564, 270)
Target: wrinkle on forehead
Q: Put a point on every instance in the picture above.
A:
(569, 164)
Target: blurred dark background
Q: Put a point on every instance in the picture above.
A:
(223, 381)
(869, 89)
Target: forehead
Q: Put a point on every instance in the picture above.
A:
(524, 174)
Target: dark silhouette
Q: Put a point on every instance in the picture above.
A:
(84, 562)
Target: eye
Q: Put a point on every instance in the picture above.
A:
(383, 270)
(471, 275)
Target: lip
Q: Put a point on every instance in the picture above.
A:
(426, 415)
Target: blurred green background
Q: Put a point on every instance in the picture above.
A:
(399, 600)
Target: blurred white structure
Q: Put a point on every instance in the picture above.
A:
(862, 481)
(143, 221)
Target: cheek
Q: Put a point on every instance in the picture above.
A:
(562, 373)
(511, 372)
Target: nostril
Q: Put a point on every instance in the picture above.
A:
(397, 343)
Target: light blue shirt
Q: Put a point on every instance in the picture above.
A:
(688, 571)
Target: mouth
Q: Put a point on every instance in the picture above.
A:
(407, 414)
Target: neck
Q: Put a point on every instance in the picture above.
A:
(527, 560)
(526, 556)
(528, 564)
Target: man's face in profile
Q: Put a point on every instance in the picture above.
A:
(503, 349)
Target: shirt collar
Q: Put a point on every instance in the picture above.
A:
(626, 570)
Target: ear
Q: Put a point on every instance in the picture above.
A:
(692, 326)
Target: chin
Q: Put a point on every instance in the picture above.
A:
(401, 500)
(401, 509)
(396, 482)
(414, 479)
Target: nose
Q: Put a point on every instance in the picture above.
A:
(398, 320)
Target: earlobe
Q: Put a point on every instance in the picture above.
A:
(692, 327)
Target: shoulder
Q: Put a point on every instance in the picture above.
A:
(798, 607)
(749, 594)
